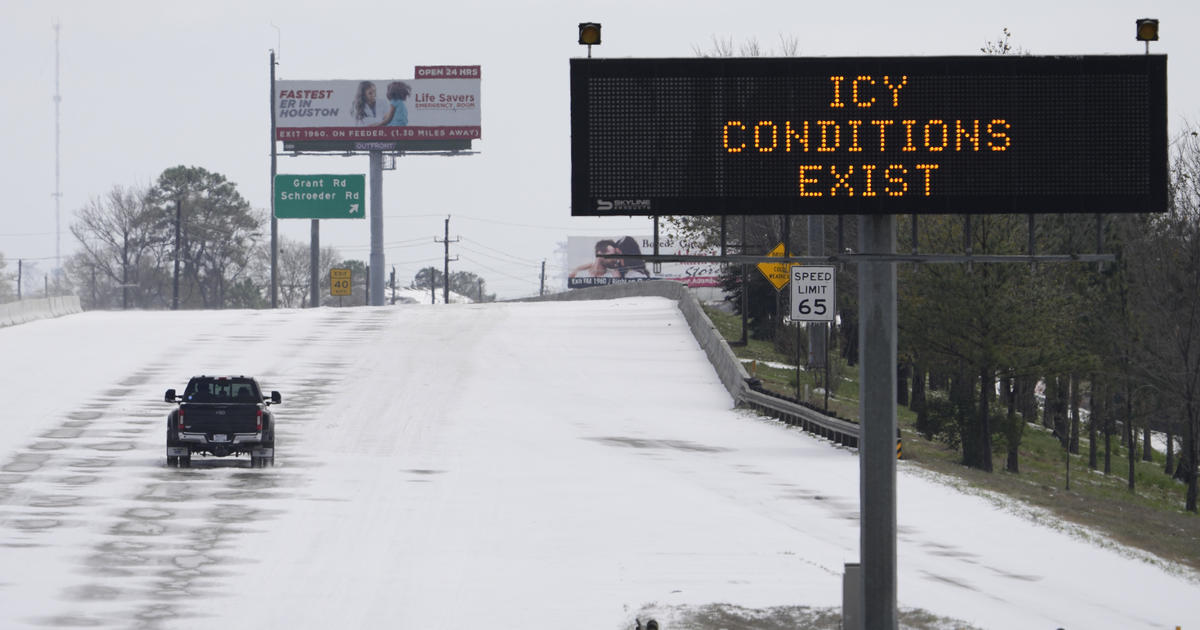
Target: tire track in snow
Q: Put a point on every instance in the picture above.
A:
(152, 545)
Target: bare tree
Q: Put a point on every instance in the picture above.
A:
(294, 264)
(1002, 45)
(121, 245)
(789, 46)
(1166, 277)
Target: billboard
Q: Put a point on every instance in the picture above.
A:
(441, 104)
(870, 135)
(593, 261)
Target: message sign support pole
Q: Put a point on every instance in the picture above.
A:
(877, 413)
(375, 273)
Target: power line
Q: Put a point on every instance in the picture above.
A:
(412, 262)
(28, 234)
(498, 251)
(30, 258)
(508, 258)
(498, 272)
(556, 228)
(415, 242)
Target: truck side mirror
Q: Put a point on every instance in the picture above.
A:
(170, 396)
(276, 398)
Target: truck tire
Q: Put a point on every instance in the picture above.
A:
(269, 460)
(172, 460)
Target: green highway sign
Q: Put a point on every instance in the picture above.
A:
(320, 196)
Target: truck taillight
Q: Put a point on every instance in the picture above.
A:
(180, 418)
(260, 419)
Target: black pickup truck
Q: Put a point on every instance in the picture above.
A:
(221, 416)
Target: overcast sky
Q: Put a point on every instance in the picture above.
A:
(154, 84)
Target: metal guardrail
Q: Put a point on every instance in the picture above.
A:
(834, 429)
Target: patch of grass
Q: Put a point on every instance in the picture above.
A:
(1151, 518)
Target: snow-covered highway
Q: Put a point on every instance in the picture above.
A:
(501, 466)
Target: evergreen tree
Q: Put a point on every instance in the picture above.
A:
(213, 231)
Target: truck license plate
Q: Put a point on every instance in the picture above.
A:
(220, 437)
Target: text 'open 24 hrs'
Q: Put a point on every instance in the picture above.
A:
(868, 135)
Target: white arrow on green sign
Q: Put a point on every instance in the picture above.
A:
(320, 196)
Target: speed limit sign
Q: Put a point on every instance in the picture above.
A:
(814, 293)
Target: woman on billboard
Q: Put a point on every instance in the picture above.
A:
(363, 106)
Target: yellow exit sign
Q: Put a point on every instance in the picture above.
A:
(339, 282)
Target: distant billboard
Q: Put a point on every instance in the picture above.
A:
(441, 104)
(595, 262)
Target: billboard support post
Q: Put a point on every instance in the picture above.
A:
(314, 262)
(375, 277)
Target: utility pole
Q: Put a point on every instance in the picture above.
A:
(57, 188)
(393, 284)
(175, 284)
(446, 269)
(274, 221)
(542, 289)
(432, 286)
(20, 274)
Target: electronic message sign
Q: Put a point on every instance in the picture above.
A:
(988, 134)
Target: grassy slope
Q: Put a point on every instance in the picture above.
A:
(1152, 518)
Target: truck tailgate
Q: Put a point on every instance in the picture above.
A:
(219, 418)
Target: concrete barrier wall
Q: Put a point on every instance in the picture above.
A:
(13, 313)
(729, 369)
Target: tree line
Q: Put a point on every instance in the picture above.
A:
(1109, 350)
(190, 240)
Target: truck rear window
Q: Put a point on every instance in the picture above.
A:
(222, 390)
